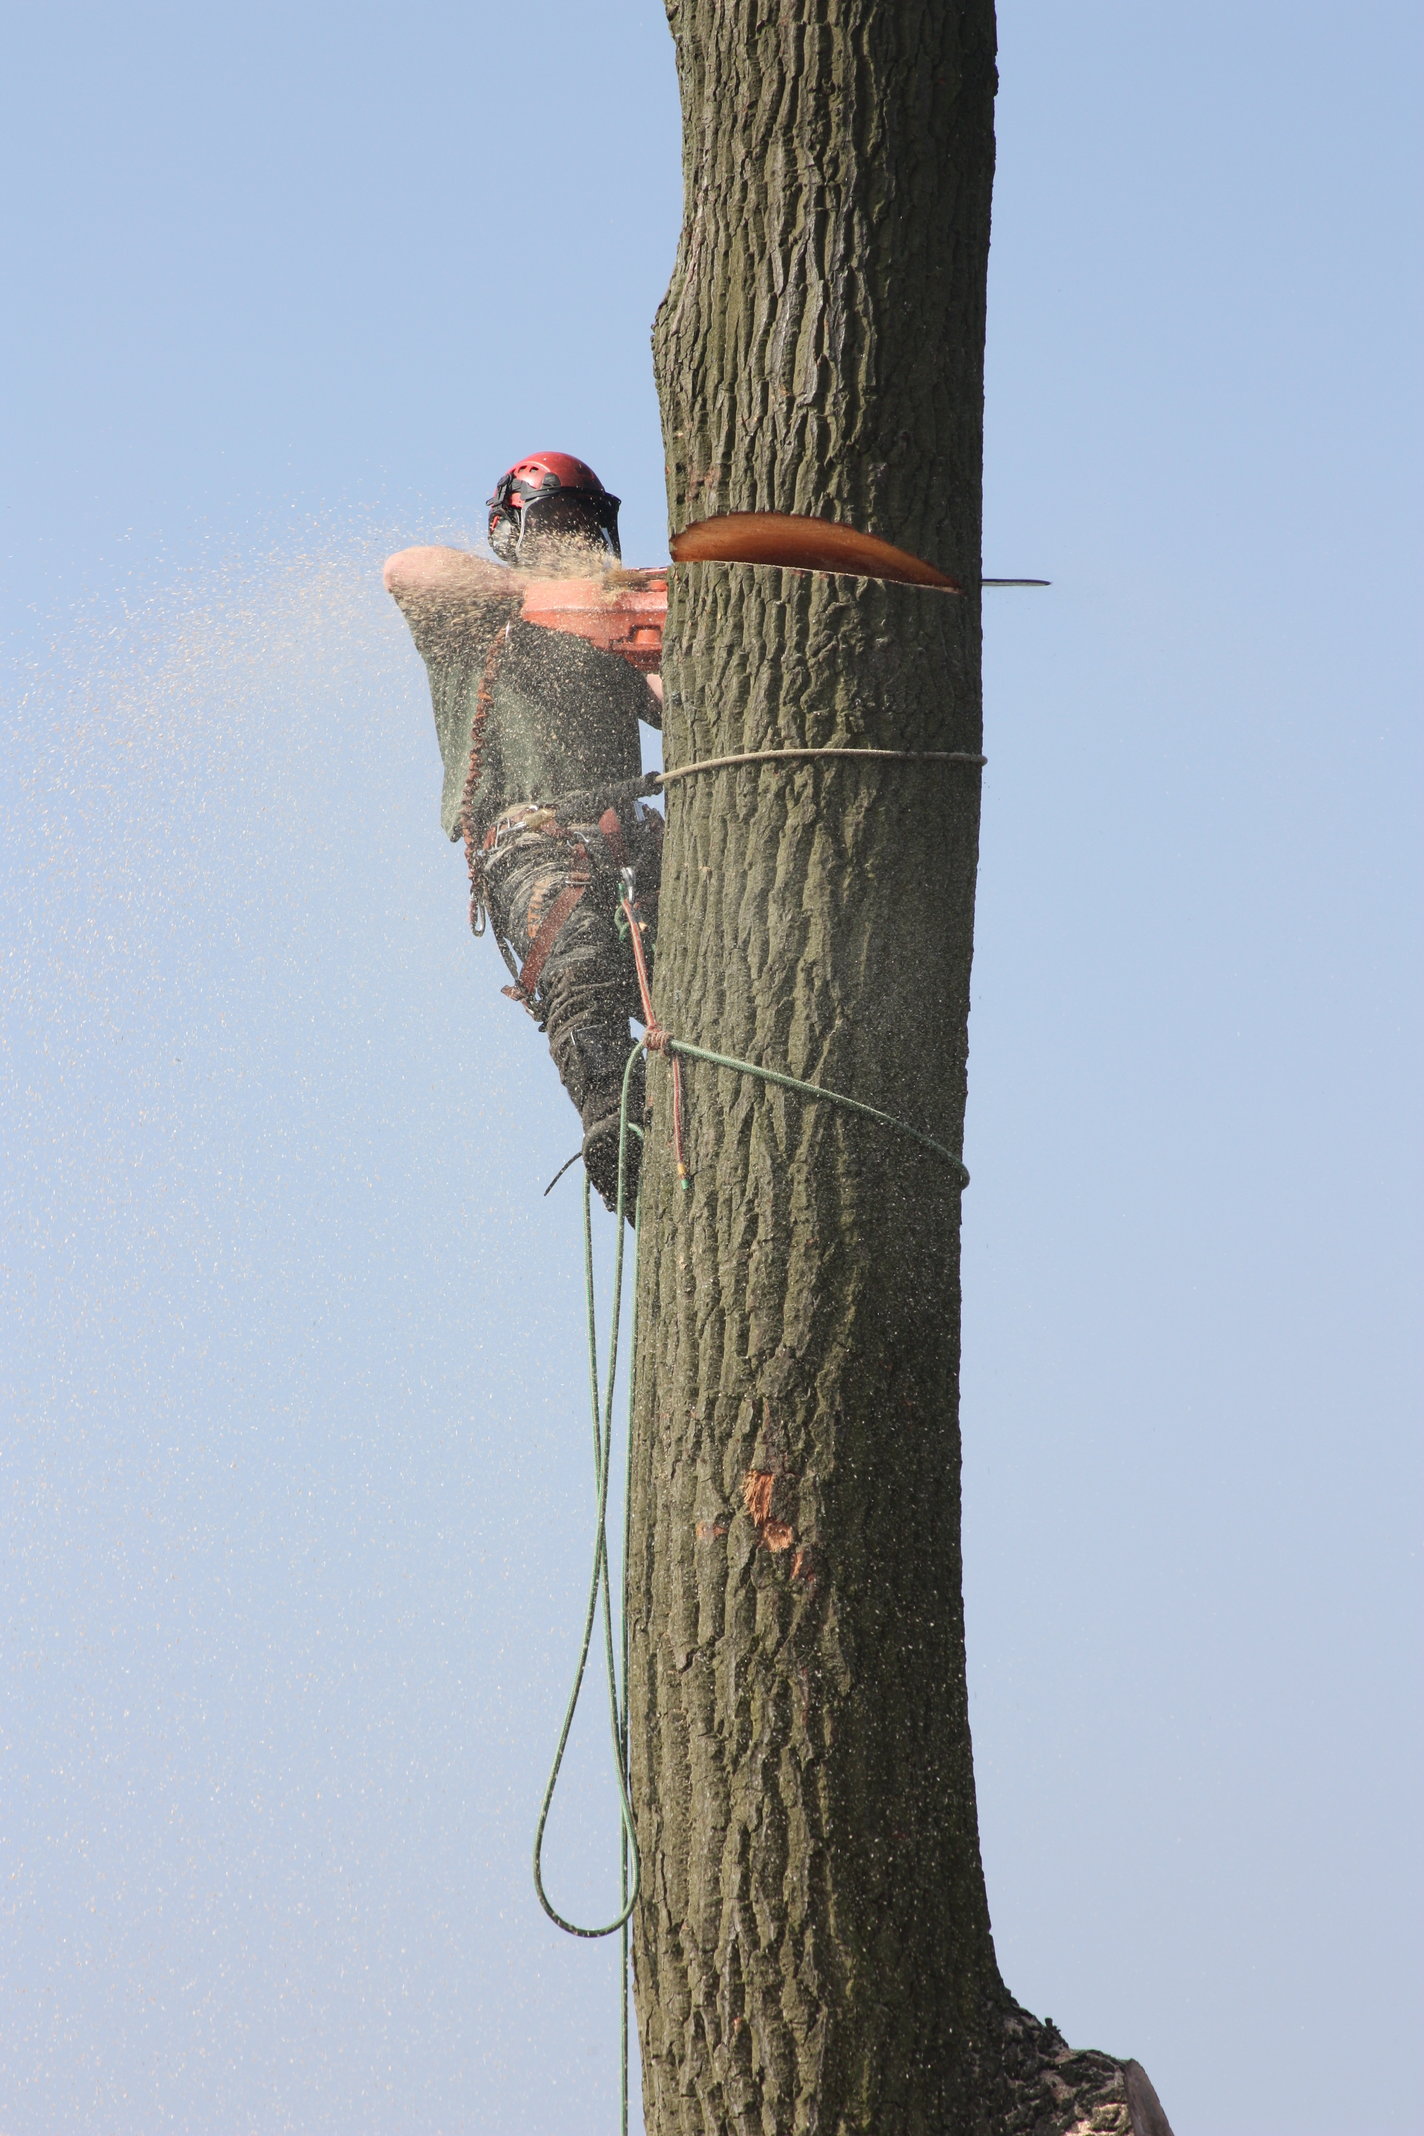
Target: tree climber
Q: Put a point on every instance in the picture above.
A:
(538, 729)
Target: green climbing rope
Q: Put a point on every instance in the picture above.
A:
(600, 1586)
(816, 1090)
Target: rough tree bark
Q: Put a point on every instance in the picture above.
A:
(813, 1952)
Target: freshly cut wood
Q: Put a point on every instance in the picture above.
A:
(802, 544)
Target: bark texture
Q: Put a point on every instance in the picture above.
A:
(821, 345)
(813, 1952)
(813, 1949)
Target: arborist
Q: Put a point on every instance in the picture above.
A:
(538, 727)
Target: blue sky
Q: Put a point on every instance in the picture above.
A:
(292, 1466)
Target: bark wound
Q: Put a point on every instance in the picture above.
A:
(759, 1492)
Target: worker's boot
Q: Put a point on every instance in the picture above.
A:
(602, 1113)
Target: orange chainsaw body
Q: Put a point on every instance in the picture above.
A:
(623, 612)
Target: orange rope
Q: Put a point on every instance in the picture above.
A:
(656, 1038)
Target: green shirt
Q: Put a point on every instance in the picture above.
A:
(563, 713)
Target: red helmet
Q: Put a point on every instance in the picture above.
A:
(550, 492)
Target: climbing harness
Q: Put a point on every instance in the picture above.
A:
(570, 823)
(551, 926)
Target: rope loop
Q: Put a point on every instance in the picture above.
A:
(600, 1595)
(776, 756)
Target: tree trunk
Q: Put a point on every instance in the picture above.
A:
(812, 1950)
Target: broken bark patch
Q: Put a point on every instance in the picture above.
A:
(758, 1490)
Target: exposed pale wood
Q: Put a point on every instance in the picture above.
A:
(802, 544)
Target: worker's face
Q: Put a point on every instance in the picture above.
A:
(561, 538)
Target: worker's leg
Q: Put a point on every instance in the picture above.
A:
(587, 986)
(586, 992)
(592, 990)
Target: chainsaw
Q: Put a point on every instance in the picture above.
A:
(623, 611)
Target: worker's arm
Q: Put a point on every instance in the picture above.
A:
(449, 597)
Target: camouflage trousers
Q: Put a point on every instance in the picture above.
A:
(552, 883)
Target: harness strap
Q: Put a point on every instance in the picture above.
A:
(551, 927)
